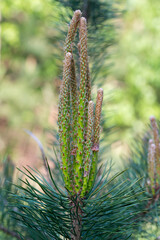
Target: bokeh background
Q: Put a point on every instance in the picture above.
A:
(124, 51)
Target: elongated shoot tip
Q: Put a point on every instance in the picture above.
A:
(83, 21)
(78, 13)
(152, 118)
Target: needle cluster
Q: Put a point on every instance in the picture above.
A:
(79, 127)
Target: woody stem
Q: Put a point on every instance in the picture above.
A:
(76, 218)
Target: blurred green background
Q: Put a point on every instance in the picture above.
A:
(31, 56)
(33, 33)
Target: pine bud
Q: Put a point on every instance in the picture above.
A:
(156, 141)
(72, 30)
(97, 119)
(152, 164)
(82, 103)
(64, 123)
(88, 147)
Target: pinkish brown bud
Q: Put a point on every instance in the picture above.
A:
(95, 147)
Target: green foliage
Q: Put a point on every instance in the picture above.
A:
(7, 224)
(29, 68)
(136, 72)
(26, 58)
(32, 45)
(102, 210)
(113, 205)
(144, 164)
(47, 211)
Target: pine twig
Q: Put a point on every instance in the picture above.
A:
(76, 216)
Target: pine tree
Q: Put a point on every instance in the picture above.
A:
(87, 205)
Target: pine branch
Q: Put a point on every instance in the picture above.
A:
(75, 120)
(85, 206)
(76, 217)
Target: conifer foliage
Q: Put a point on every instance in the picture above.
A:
(89, 205)
(8, 225)
(145, 164)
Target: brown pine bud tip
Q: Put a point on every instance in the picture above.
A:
(83, 22)
(100, 91)
(83, 30)
(99, 101)
(98, 116)
(78, 13)
(153, 122)
(152, 118)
